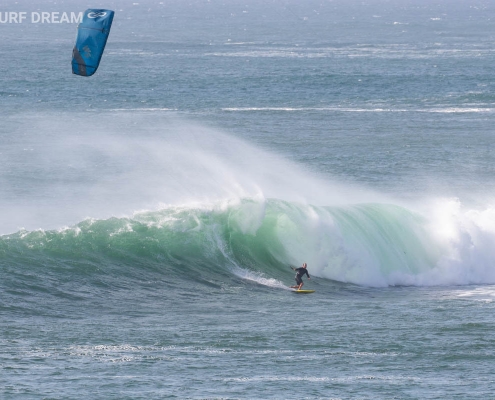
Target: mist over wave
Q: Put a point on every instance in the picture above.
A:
(152, 194)
(59, 169)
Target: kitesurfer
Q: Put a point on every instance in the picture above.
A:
(299, 274)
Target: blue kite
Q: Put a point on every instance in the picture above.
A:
(92, 35)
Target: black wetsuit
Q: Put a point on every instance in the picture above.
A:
(299, 274)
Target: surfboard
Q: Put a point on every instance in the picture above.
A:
(303, 291)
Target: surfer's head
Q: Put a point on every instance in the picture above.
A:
(305, 265)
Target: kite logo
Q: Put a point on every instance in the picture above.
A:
(96, 14)
(87, 51)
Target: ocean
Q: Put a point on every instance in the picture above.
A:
(150, 214)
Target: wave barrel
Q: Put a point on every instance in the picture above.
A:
(92, 35)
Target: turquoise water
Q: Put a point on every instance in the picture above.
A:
(149, 214)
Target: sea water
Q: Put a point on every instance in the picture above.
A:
(150, 214)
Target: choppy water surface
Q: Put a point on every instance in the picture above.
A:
(149, 214)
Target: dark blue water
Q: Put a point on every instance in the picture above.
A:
(149, 214)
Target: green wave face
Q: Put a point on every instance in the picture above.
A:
(369, 244)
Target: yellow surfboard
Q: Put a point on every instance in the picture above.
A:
(303, 291)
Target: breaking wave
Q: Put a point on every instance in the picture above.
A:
(257, 239)
(214, 209)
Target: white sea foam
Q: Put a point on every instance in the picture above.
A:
(258, 277)
(140, 109)
(441, 110)
(484, 294)
(388, 51)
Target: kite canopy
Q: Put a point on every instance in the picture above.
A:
(92, 35)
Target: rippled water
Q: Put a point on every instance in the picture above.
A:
(149, 214)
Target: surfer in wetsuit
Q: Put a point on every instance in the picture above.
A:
(299, 274)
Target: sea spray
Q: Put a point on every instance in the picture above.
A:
(214, 206)
(128, 162)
